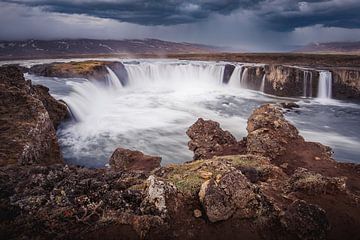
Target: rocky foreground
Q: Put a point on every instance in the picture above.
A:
(270, 185)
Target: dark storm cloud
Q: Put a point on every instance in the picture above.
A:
(280, 15)
(143, 12)
(285, 15)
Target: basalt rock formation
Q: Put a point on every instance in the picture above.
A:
(92, 70)
(271, 185)
(27, 127)
(346, 83)
(208, 140)
(292, 81)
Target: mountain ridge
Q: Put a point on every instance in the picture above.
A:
(66, 47)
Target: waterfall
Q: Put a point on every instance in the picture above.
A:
(244, 78)
(262, 86)
(112, 80)
(325, 85)
(236, 77)
(307, 84)
(174, 75)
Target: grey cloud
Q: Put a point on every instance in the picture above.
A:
(143, 12)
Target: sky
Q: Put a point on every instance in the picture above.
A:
(252, 25)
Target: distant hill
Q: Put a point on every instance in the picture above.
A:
(74, 47)
(332, 47)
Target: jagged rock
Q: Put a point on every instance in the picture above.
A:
(306, 221)
(269, 132)
(27, 133)
(232, 195)
(208, 140)
(157, 193)
(314, 183)
(128, 160)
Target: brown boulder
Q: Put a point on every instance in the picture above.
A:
(232, 195)
(269, 132)
(27, 133)
(129, 160)
(208, 140)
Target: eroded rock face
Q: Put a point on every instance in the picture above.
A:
(286, 81)
(92, 70)
(208, 140)
(346, 83)
(27, 131)
(128, 160)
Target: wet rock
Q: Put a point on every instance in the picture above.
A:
(232, 195)
(157, 194)
(306, 221)
(314, 183)
(208, 140)
(289, 105)
(228, 70)
(129, 160)
(27, 133)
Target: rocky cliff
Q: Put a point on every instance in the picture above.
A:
(291, 81)
(346, 83)
(29, 116)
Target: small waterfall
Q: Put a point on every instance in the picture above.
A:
(307, 84)
(262, 86)
(236, 77)
(325, 85)
(112, 80)
(244, 78)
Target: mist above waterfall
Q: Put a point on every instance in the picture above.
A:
(161, 99)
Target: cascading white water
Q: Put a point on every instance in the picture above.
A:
(262, 86)
(244, 78)
(112, 80)
(236, 76)
(325, 85)
(307, 91)
(174, 76)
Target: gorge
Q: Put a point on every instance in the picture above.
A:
(148, 104)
